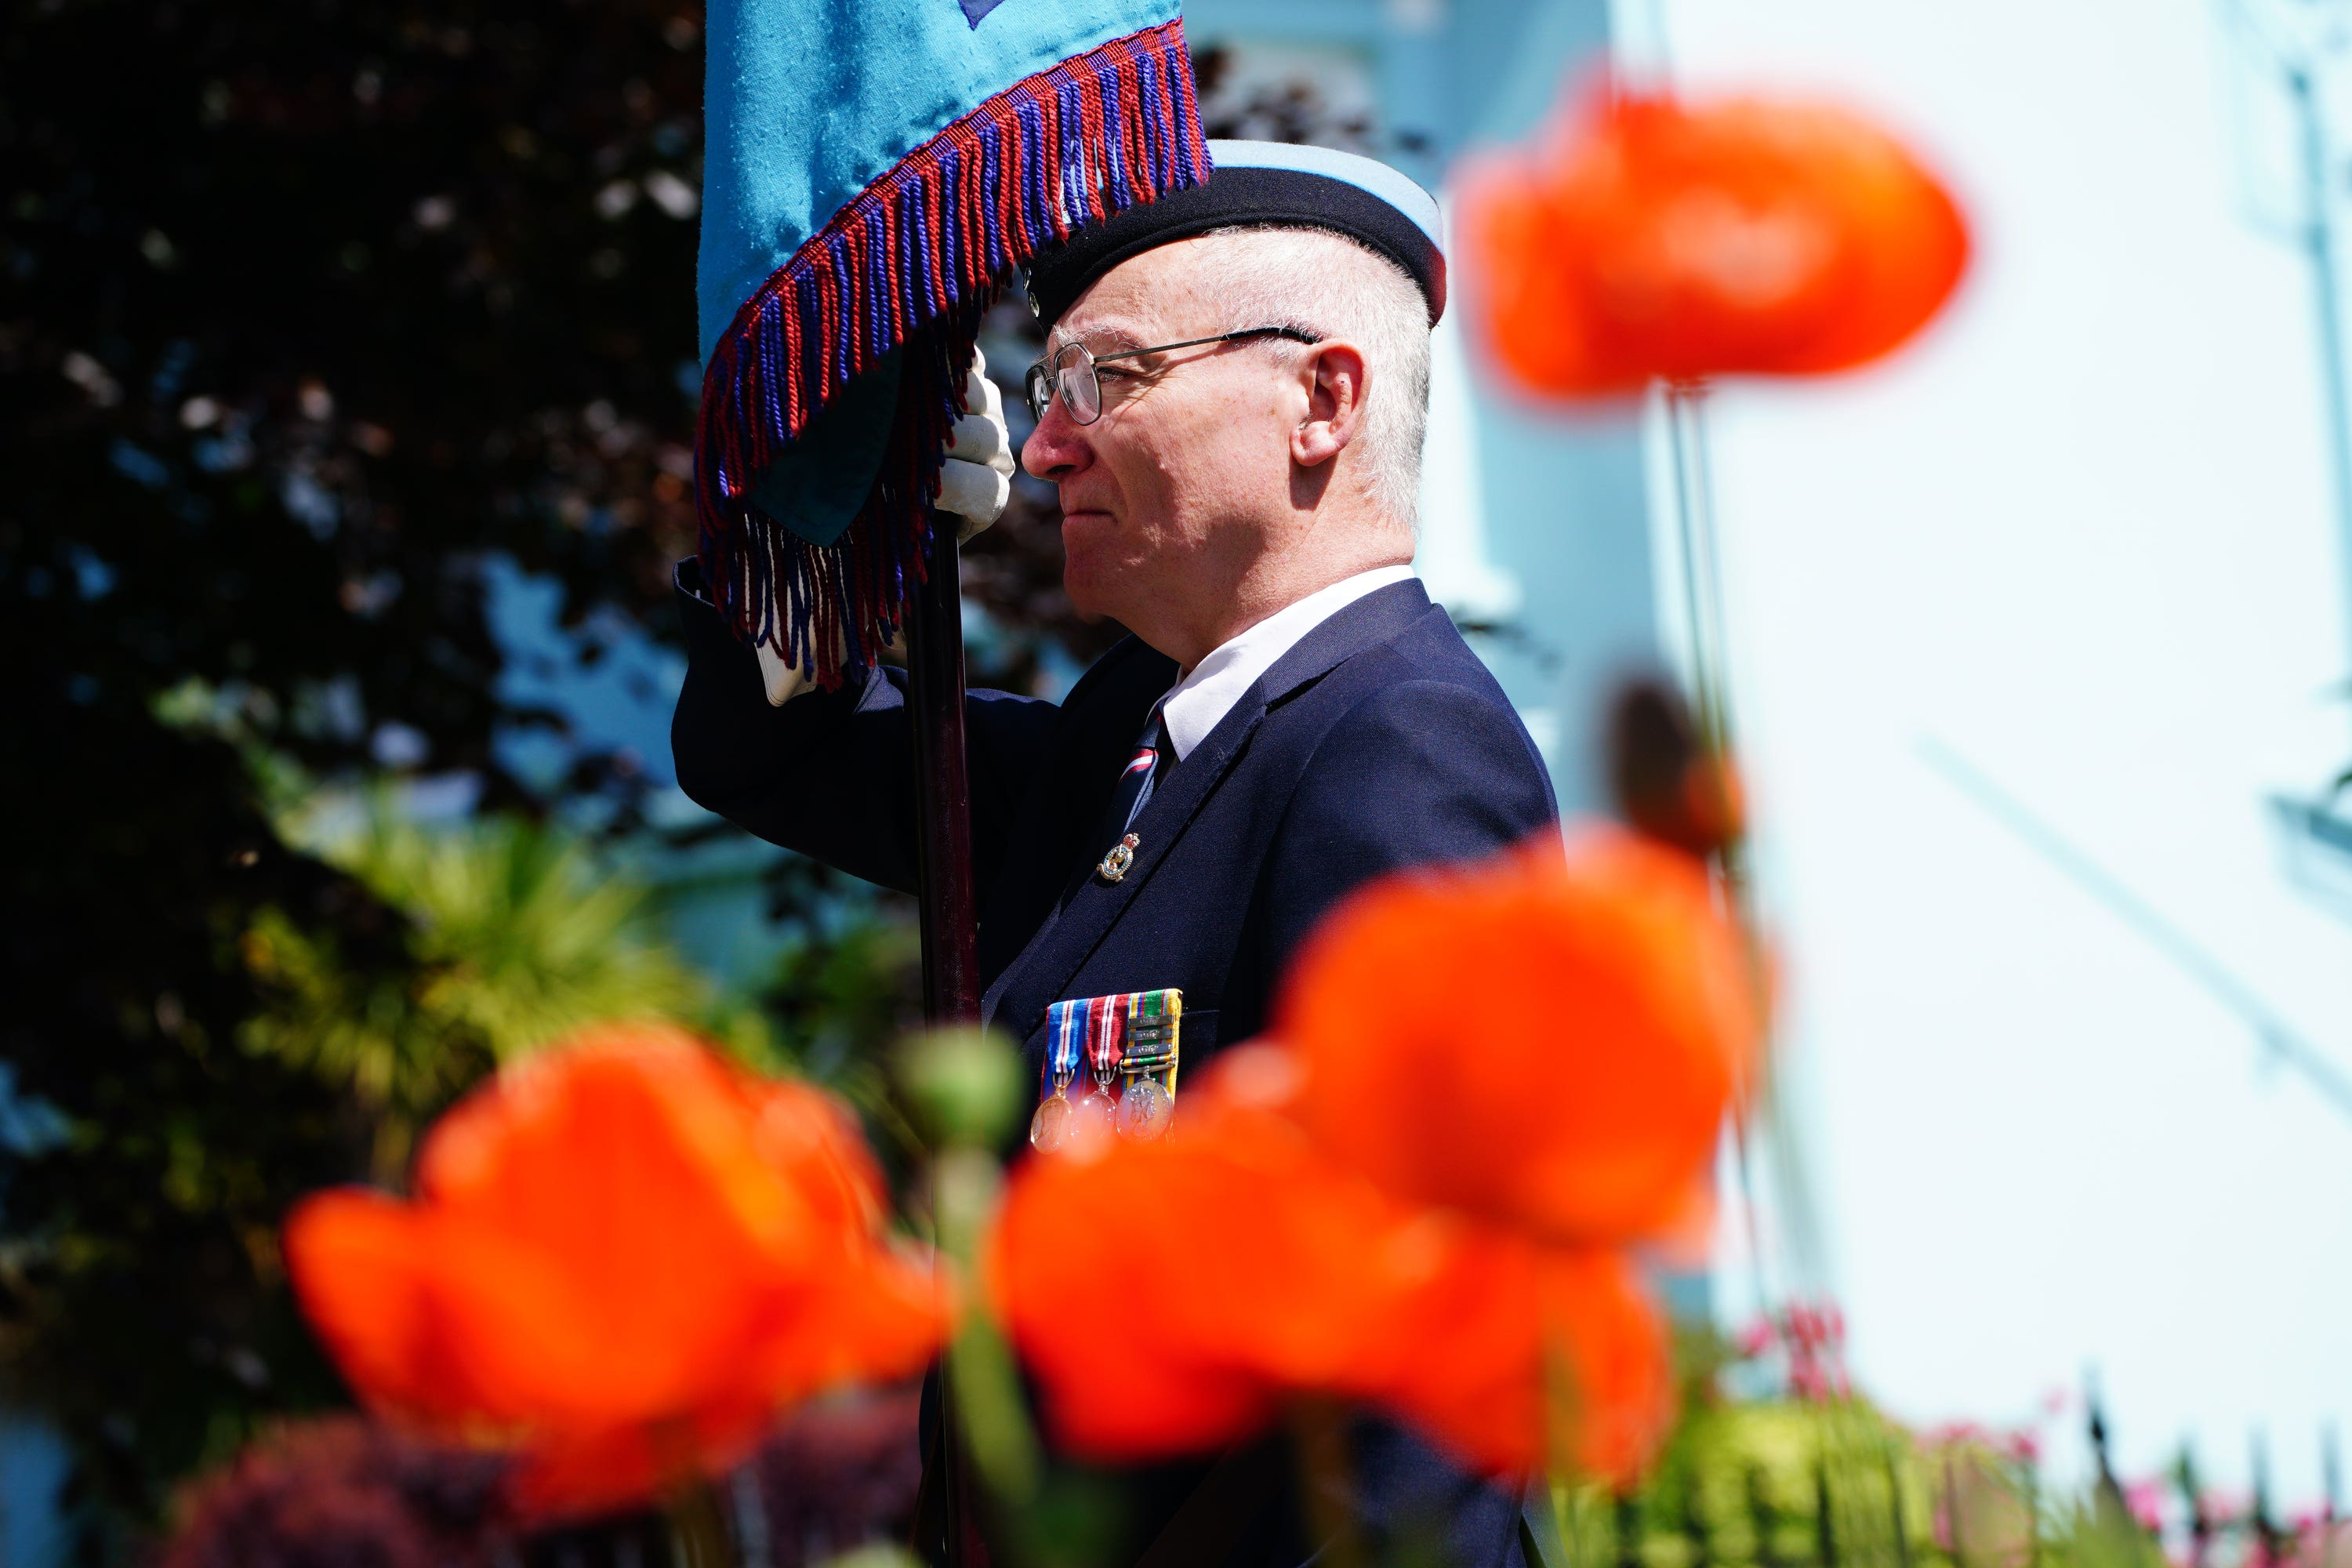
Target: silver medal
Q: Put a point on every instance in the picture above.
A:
(1144, 1110)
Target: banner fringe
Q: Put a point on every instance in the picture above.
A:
(915, 259)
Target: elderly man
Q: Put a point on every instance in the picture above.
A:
(1232, 407)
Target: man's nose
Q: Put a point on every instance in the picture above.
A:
(1056, 448)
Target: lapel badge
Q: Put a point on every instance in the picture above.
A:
(1122, 855)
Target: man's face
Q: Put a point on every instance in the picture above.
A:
(1167, 495)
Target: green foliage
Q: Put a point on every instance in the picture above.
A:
(875, 1554)
(369, 1033)
(307, 313)
(1787, 1483)
(2099, 1533)
(842, 995)
(522, 936)
(845, 990)
(1754, 1480)
(141, 1306)
(515, 935)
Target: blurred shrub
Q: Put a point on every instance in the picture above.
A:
(516, 933)
(307, 313)
(345, 1493)
(349, 1492)
(841, 994)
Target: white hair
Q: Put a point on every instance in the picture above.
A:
(1330, 286)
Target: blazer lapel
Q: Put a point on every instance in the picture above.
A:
(1375, 618)
(1069, 938)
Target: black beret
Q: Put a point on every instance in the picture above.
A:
(1259, 182)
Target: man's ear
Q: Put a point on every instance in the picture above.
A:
(1337, 379)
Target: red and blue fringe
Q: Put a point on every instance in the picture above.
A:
(915, 259)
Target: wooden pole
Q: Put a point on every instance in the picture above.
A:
(947, 915)
(943, 786)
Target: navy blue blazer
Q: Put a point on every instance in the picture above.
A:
(1378, 741)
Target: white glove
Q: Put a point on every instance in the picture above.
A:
(975, 482)
(783, 682)
(977, 478)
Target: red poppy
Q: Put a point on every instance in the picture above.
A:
(1550, 1358)
(1169, 1297)
(623, 1255)
(1153, 1321)
(1547, 1041)
(1648, 238)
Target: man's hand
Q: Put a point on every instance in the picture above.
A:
(977, 478)
(975, 482)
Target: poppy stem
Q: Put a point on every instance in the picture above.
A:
(1705, 636)
(980, 1372)
(1320, 1436)
(1759, 1111)
(396, 1137)
(1563, 1410)
(698, 1528)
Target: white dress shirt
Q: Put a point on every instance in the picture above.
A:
(1194, 704)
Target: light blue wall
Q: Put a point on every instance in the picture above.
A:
(1566, 509)
(33, 1465)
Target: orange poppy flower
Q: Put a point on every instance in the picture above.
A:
(1170, 1296)
(1547, 1041)
(623, 1255)
(1154, 1322)
(1648, 238)
(1550, 1358)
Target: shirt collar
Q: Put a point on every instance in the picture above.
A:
(1195, 704)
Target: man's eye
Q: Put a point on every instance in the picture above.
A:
(1108, 373)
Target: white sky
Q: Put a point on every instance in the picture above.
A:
(2080, 536)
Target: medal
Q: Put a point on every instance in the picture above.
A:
(1147, 1049)
(1056, 1117)
(1095, 1113)
(1092, 1117)
(1091, 1044)
(1104, 1017)
(1144, 1110)
(1050, 1128)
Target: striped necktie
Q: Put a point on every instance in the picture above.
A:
(1153, 756)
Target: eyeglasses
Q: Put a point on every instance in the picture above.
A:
(1071, 370)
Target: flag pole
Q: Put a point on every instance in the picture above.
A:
(947, 914)
(942, 786)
